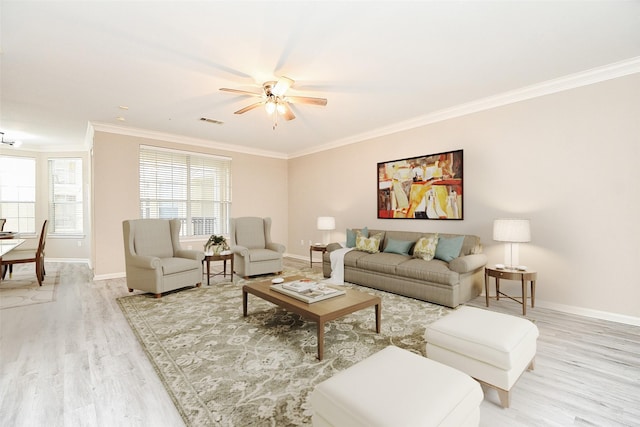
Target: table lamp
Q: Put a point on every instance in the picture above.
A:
(511, 231)
(326, 224)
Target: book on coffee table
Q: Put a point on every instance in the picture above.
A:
(300, 285)
(311, 295)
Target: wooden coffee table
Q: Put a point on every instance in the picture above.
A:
(319, 312)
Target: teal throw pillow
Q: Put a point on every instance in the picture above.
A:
(401, 247)
(449, 248)
(352, 234)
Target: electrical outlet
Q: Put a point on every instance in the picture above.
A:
(301, 242)
(79, 243)
(310, 243)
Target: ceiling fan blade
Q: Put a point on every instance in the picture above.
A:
(287, 114)
(249, 107)
(306, 100)
(281, 86)
(241, 92)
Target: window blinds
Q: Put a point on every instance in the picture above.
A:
(191, 187)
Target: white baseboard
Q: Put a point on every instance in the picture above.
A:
(300, 257)
(588, 312)
(69, 260)
(563, 308)
(109, 276)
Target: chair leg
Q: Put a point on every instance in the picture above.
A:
(39, 272)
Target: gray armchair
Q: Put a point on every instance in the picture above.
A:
(154, 260)
(254, 252)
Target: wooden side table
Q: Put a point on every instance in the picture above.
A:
(508, 274)
(316, 248)
(223, 258)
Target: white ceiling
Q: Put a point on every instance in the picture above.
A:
(381, 65)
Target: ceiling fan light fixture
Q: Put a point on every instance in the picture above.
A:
(280, 107)
(14, 144)
(270, 106)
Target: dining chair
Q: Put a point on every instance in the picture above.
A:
(23, 256)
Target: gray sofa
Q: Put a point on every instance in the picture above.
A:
(445, 283)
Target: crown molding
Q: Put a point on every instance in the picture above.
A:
(180, 139)
(561, 84)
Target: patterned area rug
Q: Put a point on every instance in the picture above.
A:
(23, 289)
(222, 369)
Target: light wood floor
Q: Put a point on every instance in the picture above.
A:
(75, 362)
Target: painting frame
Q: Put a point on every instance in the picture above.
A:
(422, 187)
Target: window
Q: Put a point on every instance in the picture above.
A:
(65, 196)
(195, 188)
(18, 193)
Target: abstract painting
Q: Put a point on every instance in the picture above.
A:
(424, 187)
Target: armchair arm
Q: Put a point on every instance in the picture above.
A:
(240, 250)
(140, 261)
(190, 254)
(468, 263)
(276, 247)
(333, 246)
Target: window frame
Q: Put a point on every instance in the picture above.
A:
(172, 185)
(78, 188)
(24, 221)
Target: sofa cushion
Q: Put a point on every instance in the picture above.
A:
(425, 247)
(401, 247)
(435, 271)
(178, 265)
(368, 244)
(381, 262)
(263, 255)
(351, 258)
(448, 248)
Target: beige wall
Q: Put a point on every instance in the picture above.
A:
(259, 187)
(568, 161)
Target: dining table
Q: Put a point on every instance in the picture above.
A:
(6, 246)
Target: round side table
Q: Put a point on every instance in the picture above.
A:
(219, 257)
(523, 276)
(316, 248)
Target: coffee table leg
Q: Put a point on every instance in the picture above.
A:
(378, 309)
(320, 340)
(244, 303)
(208, 271)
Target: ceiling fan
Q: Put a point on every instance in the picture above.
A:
(274, 99)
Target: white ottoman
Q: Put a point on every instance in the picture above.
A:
(493, 348)
(397, 388)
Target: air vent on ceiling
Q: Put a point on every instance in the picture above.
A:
(214, 121)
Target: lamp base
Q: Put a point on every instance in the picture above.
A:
(511, 255)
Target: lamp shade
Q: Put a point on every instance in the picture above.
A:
(326, 223)
(511, 230)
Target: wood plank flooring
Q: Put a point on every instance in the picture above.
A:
(75, 362)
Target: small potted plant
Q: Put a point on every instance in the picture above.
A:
(215, 245)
